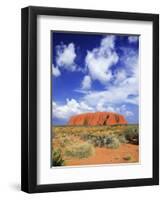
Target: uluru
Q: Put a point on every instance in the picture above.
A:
(97, 118)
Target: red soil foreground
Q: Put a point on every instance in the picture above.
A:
(126, 153)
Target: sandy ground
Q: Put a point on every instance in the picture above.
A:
(126, 153)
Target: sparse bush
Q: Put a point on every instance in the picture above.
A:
(132, 135)
(64, 142)
(110, 141)
(113, 143)
(122, 139)
(57, 158)
(82, 150)
(127, 157)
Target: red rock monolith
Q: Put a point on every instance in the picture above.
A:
(97, 118)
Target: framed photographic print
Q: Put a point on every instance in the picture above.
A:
(90, 99)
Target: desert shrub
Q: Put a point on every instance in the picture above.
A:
(82, 150)
(110, 141)
(63, 142)
(105, 140)
(84, 136)
(122, 139)
(127, 157)
(113, 143)
(132, 135)
(57, 158)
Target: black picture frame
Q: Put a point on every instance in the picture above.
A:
(29, 99)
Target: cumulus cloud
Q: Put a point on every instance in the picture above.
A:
(133, 39)
(65, 56)
(99, 60)
(71, 107)
(55, 71)
(127, 92)
(128, 113)
(119, 76)
(100, 106)
(108, 42)
(126, 80)
(86, 83)
(125, 83)
(74, 107)
(123, 110)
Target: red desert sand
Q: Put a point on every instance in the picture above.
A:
(126, 153)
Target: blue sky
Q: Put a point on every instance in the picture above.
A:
(94, 72)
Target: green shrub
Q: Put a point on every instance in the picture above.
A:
(113, 143)
(122, 139)
(127, 157)
(63, 142)
(110, 141)
(82, 150)
(132, 135)
(57, 158)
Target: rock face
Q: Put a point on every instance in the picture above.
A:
(97, 118)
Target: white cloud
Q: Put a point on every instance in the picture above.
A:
(119, 76)
(66, 56)
(123, 110)
(114, 94)
(129, 113)
(133, 39)
(110, 109)
(82, 91)
(55, 71)
(86, 83)
(72, 107)
(99, 60)
(134, 100)
(126, 79)
(108, 42)
(100, 106)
